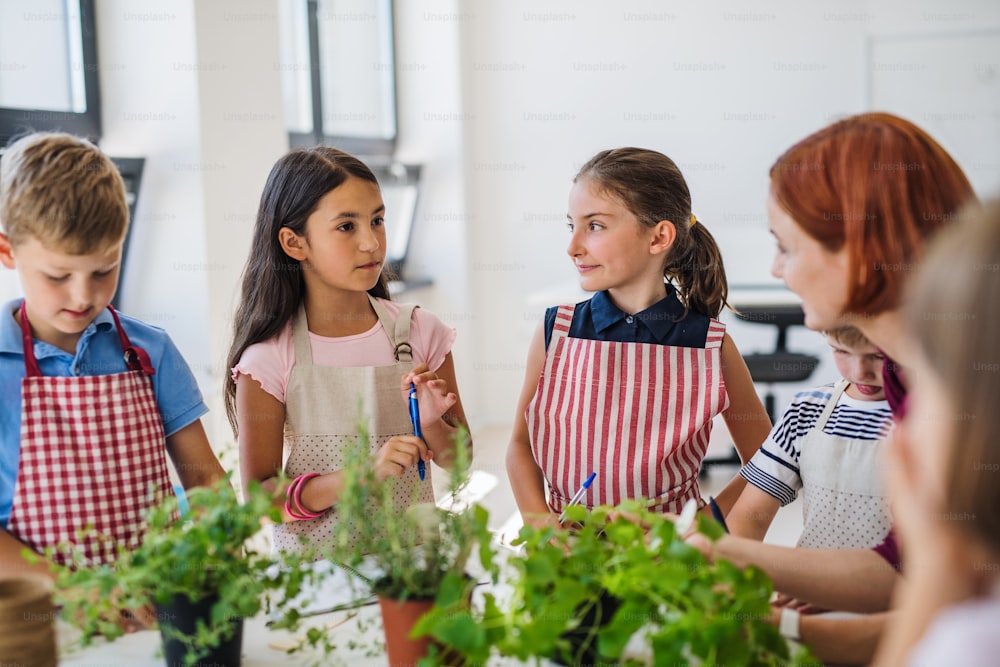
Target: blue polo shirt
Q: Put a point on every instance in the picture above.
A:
(98, 352)
(663, 323)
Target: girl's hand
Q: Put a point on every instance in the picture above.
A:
(432, 393)
(542, 521)
(801, 606)
(398, 454)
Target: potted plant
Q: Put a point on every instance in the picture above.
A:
(621, 586)
(420, 552)
(197, 572)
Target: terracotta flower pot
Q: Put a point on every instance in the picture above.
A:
(398, 618)
(182, 615)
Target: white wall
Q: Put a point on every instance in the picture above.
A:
(194, 88)
(722, 87)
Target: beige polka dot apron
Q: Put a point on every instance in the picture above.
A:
(844, 502)
(321, 417)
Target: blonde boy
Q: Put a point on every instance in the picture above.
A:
(827, 442)
(90, 401)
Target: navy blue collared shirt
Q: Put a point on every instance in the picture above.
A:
(663, 323)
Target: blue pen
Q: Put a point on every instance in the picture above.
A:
(578, 496)
(415, 418)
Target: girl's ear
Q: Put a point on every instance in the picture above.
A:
(6, 252)
(292, 243)
(663, 236)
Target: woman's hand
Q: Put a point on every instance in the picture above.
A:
(398, 454)
(433, 394)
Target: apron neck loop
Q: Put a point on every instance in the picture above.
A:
(136, 358)
(30, 363)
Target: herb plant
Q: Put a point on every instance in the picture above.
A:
(418, 550)
(201, 555)
(618, 588)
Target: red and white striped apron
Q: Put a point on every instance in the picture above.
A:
(637, 414)
(92, 457)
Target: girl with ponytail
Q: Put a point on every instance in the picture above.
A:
(627, 383)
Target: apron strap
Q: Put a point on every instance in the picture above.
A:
(716, 333)
(300, 337)
(560, 326)
(30, 363)
(398, 331)
(838, 389)
(136, 358)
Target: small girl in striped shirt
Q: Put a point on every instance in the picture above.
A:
(627, 383)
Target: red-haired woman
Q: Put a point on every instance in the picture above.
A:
(852, 208)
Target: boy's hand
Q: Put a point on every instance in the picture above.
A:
(133, 620)
(398, 454)
(432, 393)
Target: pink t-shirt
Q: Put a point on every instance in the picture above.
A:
(271, 361)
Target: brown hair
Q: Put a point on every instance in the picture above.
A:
(847, 336)
(652, 188)
(956, 323)
(272, 285)
(880, 186)
(63, 191)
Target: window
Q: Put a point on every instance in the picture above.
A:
(55, 42)
(348, 99)
(338, 78)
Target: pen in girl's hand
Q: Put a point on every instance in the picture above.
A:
(578, 496)
(415, 418)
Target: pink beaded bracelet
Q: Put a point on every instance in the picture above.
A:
(293, 499)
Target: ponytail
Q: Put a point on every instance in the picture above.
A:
(695, 268)
(652, 188)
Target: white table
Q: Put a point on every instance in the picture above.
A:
(142, 649)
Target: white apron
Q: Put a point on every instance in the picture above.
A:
(844, 505)
(321, 416)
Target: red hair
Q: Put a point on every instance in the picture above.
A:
(880, 186)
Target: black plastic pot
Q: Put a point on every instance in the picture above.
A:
(182, 616)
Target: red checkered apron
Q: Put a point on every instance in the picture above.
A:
(92, 457)
(637, 414)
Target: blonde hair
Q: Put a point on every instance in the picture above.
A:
(64, 192)
(847, 336)
(954, 317)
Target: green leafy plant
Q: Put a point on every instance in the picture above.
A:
(621, 578)
(201, 555)
(420, 551)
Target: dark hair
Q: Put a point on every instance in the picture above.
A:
(881, 187)
(272, 284)
(653, 189)
(952, 313)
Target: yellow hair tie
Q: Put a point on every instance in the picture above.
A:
(694, 220)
